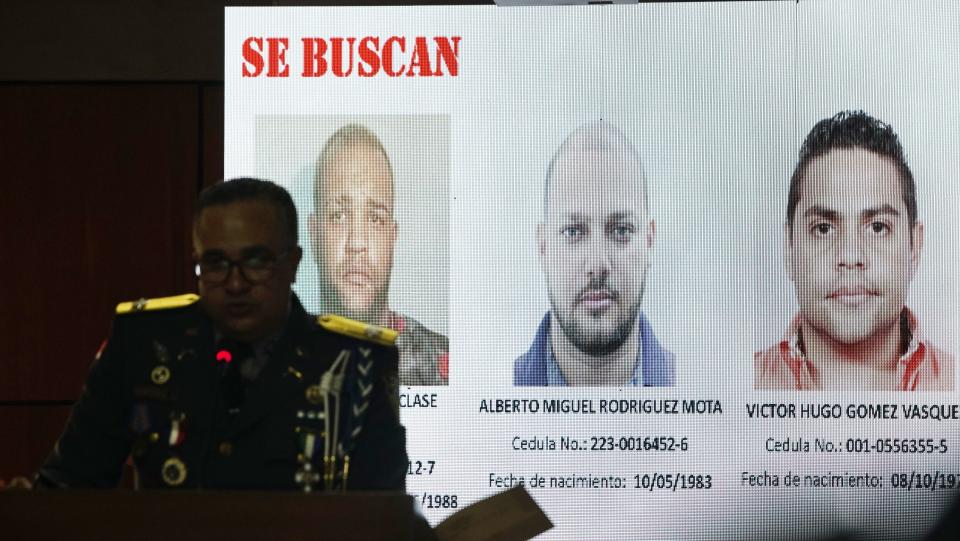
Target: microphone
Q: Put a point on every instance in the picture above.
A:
(229, 355)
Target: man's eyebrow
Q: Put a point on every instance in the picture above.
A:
(340, 199)
(822, 212)
(873, 212)
(212, 253)
(377, 205)
(258, 249)
(623, 216)
(575, 217)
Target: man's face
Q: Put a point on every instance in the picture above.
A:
(354, 231)
(850, 252)
(594, 247)
(252, 232)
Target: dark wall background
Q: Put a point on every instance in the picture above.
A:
(111, 121)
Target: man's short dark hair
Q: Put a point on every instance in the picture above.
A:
(849, 129)
(247, 189)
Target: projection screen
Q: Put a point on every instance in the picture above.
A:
(581, 221)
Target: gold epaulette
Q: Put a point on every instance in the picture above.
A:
(358, 329)
(160, 303)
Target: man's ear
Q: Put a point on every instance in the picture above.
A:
(649, 237)
(296, 254)
(194, 242)
(313, 231)
(916, 247)
(541, 239)
(542, 245)
(788, 251)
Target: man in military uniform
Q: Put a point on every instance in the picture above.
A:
(239, 387)
(353, 232)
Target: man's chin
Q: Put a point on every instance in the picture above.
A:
(851, 330)
(359, 311)
(597, 325)
(240, 335)
(851, 336)
(244, 329)
(598, 345)
(596, 340)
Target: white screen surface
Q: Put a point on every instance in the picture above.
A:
(716, 100)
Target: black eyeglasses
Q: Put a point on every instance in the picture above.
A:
(255, 268)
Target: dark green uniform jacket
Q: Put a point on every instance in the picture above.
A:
(158, 394)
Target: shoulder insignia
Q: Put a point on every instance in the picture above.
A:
(160, 303)
(358, 329)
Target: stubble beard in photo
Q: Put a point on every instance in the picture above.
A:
(332, 302)
(596, 342)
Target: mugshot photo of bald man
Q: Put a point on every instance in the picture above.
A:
(594, 243)
(374, 191)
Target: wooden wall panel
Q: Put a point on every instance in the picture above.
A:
(212, 133)
(28, 435)
(95, 208)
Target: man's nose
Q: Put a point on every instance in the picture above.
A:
(357, 234)
(850, 250)
(236, 282)
(596, 260)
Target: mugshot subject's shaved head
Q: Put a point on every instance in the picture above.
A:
(351, 137)
(594, 138)
(594, 241)
(353, 230)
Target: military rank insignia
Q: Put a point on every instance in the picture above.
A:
(358, 329)
(159, 303)
(314, 394)
(173, 472)
(160, 375)
(161, 352)
(178, 425)
(329, 426)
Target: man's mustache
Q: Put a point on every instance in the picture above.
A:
(361, 264)
(597, 287)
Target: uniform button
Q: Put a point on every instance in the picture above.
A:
(225, 448)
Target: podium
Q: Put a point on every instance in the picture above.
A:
(66, 515)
